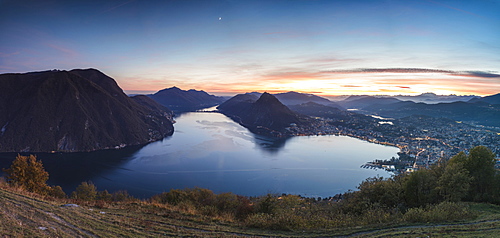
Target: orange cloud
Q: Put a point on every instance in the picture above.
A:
(339, 82)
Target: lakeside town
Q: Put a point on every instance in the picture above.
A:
(422, 140)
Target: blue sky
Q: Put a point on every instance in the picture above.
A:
(232, 46)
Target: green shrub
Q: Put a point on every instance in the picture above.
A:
(56, 191)
(378, 215)
(201, 196)
(387, 192)
(226, 202)
(267, 204)
(104, 196)
(245, 207)
(283, 221)
(121, 196)
(208, 210)
(442, 212)
(173, 197)
(85, 191)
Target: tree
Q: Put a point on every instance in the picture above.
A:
(267, 204)
(121, 196)
(481, 166)
(454, 183)
(85, 191)
(104, 196)
(459, 158)
(56, 191)
(419, 188)
(388, 192)
(28, 173)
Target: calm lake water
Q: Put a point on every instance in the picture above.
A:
(211, 151)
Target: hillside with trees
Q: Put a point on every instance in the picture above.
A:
(459, 195)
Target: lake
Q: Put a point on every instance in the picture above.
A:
(209, 150)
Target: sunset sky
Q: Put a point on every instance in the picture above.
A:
(329, 47)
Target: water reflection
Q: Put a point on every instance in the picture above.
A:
(70, 169)
(233, 129)
(270, 145)
(211, 151)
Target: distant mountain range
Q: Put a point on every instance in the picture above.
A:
(432, 98)
(493, 99)
(318, 110)
(477, 113)
(295, 98)
(77, 110)
(359, 102)
(261, 115)
(429, 98)
(483, 111)
(472, 109)
(180, 100)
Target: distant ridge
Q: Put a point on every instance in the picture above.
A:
(180, 100)
(492, 99)
(432, 98)
(360, 102)
(295, 98)
(266, 115)
(320, 110)
(482, 111)
(77, 110)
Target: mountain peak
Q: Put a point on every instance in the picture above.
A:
(267, 115)
(267, 98)
(174, 88)
(429, 94)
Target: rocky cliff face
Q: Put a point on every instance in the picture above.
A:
(77, 110)
(267, 115)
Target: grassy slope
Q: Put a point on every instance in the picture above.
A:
(25, 215)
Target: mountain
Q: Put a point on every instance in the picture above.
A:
(432, 98)
(360, 102)
(354, 97)
(492, 99)
(183, 101)
(479, 113)
(77, 110)
(267, 115)
(239, 104)
(295, 98)
(319, 110)
(153, 106)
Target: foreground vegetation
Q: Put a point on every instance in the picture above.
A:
(453, 198)
(25, 214)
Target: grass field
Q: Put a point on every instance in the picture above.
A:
(28, 215)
